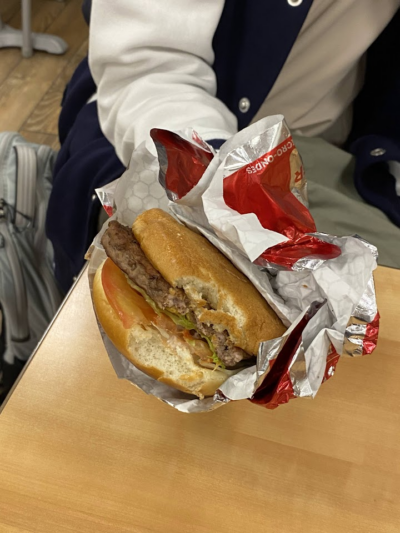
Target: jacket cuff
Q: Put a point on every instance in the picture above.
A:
(372, 178)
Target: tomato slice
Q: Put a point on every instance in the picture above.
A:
(130, 306)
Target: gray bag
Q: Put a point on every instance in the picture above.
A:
(29, 295)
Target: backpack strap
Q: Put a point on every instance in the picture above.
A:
(26, 185)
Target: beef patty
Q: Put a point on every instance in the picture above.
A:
(122, 247)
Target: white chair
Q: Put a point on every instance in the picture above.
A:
(28, 40)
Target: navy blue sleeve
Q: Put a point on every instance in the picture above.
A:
(372, 178)
(85, 162)
(86, 9)
(375, 138)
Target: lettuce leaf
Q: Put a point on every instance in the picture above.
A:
(179, 320)
(214, 355)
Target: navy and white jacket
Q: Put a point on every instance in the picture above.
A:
(178, 63)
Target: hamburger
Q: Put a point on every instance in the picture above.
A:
(176, 307)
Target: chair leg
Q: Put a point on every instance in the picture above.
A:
(27, 49)
(28, 40)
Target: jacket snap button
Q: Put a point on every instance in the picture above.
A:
(378, 151)
(244, 105)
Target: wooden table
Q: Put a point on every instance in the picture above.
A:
(82, 451)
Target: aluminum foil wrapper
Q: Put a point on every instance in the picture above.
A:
(106, 196)
(250, 201)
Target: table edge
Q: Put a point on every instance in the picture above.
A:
(28, 362)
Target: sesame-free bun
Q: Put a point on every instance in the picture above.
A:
(188, 261)
(171, 363)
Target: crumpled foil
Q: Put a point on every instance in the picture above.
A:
(326, 297)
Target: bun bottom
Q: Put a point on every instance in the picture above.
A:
(168, 361)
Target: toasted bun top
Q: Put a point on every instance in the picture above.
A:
(170, 363)
(187, 260)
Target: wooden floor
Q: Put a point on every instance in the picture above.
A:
(31, 89)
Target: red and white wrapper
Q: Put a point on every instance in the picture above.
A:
(250, 201)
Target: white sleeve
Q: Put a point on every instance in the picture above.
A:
(151, 61)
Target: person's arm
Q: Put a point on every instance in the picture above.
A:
(151, 61)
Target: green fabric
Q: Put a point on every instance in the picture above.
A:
(335, 204)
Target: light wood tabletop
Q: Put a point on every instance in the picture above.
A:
(83, 451)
